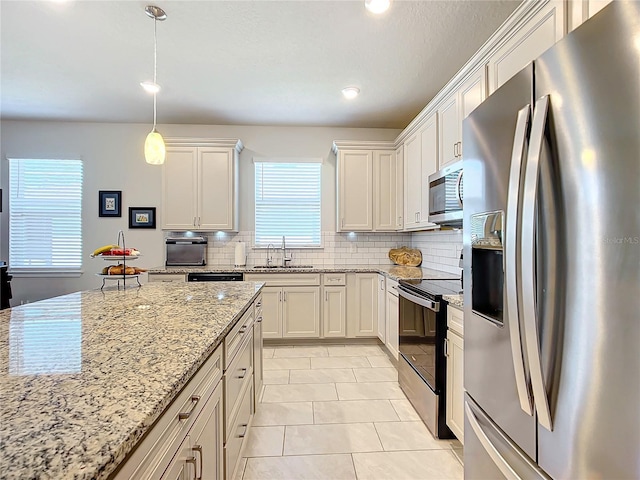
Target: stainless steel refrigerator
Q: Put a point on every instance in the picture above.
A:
(552, 259)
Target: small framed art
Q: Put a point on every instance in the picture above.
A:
(109, 203)
(142, 217)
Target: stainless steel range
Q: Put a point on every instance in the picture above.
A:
(422, 364)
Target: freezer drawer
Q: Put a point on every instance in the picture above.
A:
(489, 453)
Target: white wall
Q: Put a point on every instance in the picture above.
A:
(113, 160)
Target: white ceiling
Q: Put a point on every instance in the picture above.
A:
(236, 62)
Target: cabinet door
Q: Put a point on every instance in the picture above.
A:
(355, 191)
(301, 312)
(216, 189)
(258, 373)
(539, 33)
(579, 11)
(455, 382)
(365, 313)
(449, 130)
(393, 316)
(429, 149)
(207, 439)
(179, 188)
(382, 310)
(400, 188)
(334, 312)
(412, 184)
(182, 465)
(272, 312)
(385, 195)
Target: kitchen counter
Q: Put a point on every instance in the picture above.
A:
(454, 300)
(395, 272)
(83, 376)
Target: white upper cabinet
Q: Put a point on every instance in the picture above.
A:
(355, 190)
(539, 32)
(367, 185)
(421, 160)
(460, 103)
(199, 185)
(399, 188)
(579, 11)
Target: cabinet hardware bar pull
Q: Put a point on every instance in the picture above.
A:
(194, 221)
(243, 330)
(198, 448)
(244, 373)
(184, 415)
(325, 296)
(446, 347)
(242, 435)
(199, 221)
(284, 294)
(259, 319)
(192, 460)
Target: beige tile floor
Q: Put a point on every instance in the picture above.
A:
(337, 412)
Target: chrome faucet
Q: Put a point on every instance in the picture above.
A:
(269, 258)
(285, 259)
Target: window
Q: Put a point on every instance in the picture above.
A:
(45, 219)
(288, 202)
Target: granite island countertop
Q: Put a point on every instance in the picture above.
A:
(395, 272)
(454, 300)
(83, 376)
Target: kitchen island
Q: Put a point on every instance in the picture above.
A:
(84, 376)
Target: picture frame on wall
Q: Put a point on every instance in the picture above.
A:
(110, 203)
(142, 217)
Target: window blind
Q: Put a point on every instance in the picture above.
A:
(288, 203)
(45, 219)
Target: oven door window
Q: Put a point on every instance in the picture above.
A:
(418, 339)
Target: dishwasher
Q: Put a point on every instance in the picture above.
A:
(215, 277)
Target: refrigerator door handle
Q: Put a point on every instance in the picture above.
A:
(514, 215)
(491, 450)
(528, 259)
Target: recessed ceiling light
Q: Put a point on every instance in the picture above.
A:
(350, 92)
(150, 87)
(377, 6)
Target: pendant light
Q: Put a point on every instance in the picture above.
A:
(154, 148)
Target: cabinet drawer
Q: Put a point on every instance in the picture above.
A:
(284, 279)
(337, 279)
(392, 287)
(236, 336)
(151, 456)
(166, 277)
(257, 309)
(237, 433)
(235, 377)
(455, 320)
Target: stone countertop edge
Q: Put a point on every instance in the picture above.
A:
(28, 400)
(454, 300)
(395, 272)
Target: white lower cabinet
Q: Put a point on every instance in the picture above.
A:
(290, 304)
(334, 312)
(393, 317)
(207, 440)
(454, 348)
(362, 305)
(382, 309)
(258, 372)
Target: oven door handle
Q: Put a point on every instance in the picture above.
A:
(423, 302)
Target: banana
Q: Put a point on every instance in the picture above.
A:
(103, 249)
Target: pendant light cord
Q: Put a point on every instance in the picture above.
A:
(155, 67)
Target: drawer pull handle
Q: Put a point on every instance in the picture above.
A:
(243, 329)
(192, 460)
(244, 433)
(185, 415)
(259, 319)
(198, 449)
(244, 373)
(258, 305)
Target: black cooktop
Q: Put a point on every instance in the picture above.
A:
(434, 289)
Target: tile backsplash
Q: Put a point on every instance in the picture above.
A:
(338, 249)
(440, 249)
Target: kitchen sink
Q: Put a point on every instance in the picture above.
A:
(276, 267)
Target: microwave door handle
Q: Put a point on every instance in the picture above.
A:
(528, 259)
(510, 252)
(458, 188)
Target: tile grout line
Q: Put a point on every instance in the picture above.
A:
(353, 462)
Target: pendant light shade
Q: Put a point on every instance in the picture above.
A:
(154, 148)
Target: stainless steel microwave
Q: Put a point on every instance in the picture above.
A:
(446, 196)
